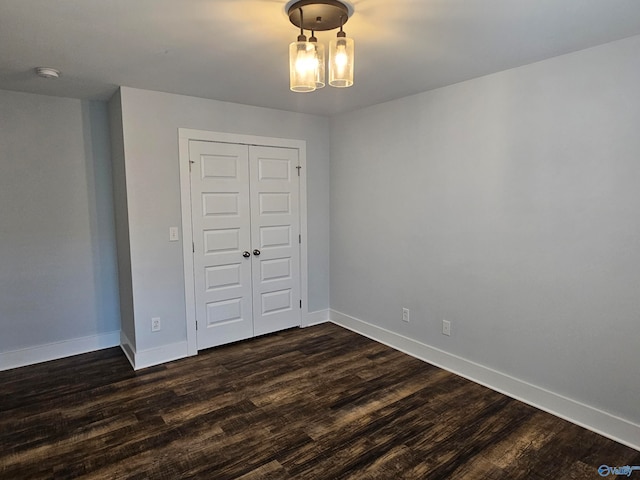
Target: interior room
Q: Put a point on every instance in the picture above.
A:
(417, 257)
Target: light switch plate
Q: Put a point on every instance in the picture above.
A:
(173, 234)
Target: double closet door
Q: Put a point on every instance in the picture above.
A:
(246, 250)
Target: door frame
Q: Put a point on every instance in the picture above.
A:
(185, 135)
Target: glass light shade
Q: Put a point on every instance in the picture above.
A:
(303, 66)
(341, 62)
(320, 79)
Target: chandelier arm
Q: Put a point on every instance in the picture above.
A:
(301, 22)
(301, 37)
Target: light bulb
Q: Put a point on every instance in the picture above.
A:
(341, 58)
(305, 62)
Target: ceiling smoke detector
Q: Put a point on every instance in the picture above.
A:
(47, 72)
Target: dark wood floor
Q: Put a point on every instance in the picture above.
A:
(315, 403)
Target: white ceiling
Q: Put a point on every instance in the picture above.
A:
(236, 50)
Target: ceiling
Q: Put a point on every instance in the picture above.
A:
(237, 50)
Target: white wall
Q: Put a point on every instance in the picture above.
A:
(508, 205)
(150, 125)
(58, 279)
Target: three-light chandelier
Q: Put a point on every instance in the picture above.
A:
(306, 58)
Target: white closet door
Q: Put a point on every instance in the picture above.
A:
(275, 229)
(221, 219)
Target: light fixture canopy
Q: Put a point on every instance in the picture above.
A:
(318, 15)
(306, 58)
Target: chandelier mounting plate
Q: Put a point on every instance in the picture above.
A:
(318, 15)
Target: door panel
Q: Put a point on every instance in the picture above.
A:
(244, 199)
(221, 218)
(275, 227)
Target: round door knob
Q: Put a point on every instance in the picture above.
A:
(246, 254)
(256, 252)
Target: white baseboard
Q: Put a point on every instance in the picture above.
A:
(603, 423)
(316, 318)
(56, 350)
(153, 356)
(162, 354)
(128, 348)
(166, 353)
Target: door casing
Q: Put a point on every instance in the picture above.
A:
(184, 136)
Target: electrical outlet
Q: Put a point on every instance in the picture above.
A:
(446, 327)
(405, 315)
(155, 324)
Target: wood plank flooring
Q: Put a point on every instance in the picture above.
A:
(315, 403)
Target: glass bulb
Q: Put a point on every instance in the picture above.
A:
(319, 65)
(341, 62)
(303, 66)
